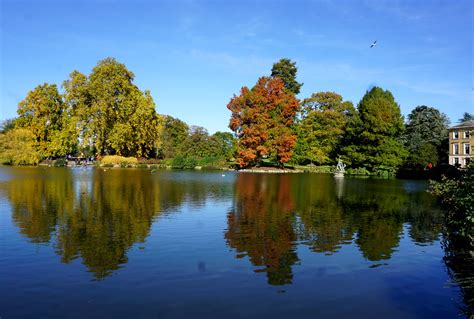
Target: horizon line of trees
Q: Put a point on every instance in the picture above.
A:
(105, 113)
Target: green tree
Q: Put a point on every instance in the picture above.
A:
(286, 70)
(466, 117)
(113, 115)
(43, 113)
(223, 145)
(197, 144)
(262, 119)
(173, 134)
(17, 147)
(78, 101)
(7, 125)
(324, 117)
(426, 136)
(373, 137)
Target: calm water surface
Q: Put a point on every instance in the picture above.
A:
(125, 243)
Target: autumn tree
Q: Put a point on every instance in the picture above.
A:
(17, 147)
(426, 136)
(113, 115)
(262, 119)
(43, 113)
(373, 137)
(286, 70)
(322, 125)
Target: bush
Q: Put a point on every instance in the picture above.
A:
(17, 148)
(457, 195)
(385, 171)
(116, 160)
(358, 171)
(178, 162)
(149, 161)
(213, 162)
(60, 162)
(182, 162)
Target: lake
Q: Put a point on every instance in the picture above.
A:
(135, 243)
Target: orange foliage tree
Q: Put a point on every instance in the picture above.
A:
(262, 119)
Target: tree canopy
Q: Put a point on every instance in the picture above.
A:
(374, 135)
(43, 112)
(466, 117)
(426, 136)
(286, 70)
(113, 115)
(262, 119)
(322, 125)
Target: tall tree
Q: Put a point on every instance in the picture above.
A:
(426, 136)
(324, 117)
(113, 115)
(43, 113)
(197, 144)
(374, 135)
(174, 133)
(466, 117)
(262, 119)
(223, 145)
(286, 70)
(7, 125)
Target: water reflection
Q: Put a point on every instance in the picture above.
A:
(97, 214)
(459, 259)
(271, 214)
(261, 225)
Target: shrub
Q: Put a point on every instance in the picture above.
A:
(182, 162)
(385, 171)
(116, 160)
(17, 148)
(178, 162)
(212, 162)
(357, 171)
(60, 162)
(457, 194)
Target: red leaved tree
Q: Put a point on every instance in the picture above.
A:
(262, 119)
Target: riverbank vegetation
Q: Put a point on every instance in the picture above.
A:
(105, 114)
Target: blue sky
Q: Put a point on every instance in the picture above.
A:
(194, 55)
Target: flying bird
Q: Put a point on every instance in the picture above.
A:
(373, 44)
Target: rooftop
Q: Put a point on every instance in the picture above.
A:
(467, 124)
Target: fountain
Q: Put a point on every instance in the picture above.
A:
(340, 169)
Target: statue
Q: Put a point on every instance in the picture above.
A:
(340, 169)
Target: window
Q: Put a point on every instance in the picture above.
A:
(456, 161)
(456, 149)
(467, 148)
(467, 160)
(467, 134)
(455, 135)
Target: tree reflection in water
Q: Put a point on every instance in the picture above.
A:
(96, 214)
(261, 224)
(272, 213)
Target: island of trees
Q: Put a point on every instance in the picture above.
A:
(105, 116)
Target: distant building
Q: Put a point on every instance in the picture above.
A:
(461, 139)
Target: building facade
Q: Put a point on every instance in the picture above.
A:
(461, 141)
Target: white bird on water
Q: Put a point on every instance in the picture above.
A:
(373, 44)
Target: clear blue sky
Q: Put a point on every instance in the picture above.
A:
(194, 55)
